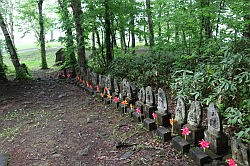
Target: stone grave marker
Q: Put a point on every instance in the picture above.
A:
(140, 105)
(94, 79)
(180, 118)
(124, 88)
(131, 97)
(109, 83)
(149, 108)
(194, 120)
(214, 134)
(163, 115)
(240, 152)
(116, 88)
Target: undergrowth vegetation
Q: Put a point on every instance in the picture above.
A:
(222, 77)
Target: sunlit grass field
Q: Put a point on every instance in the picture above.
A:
(32, 58)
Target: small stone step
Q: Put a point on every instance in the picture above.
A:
(164, 134)
(181, 144)
(199, 157)
(149, 124)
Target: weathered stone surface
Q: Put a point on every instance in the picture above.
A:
(124, 87)
(218, 140)
(214, 120)
(163, 119)
(199, 156)
(180, 112)
(240, 152)
(148, 111)
(142, 95)
(162, 104)
(164, 134)
(149, 124)
(4, 160)
(196, 134)
(150, 98)
(116, 87)
(195, 114)
(177, 127)
(180, 144)
(127, 155)
(109, 83)
(137, 117)
(140, 105)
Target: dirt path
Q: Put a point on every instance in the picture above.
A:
(51, 122)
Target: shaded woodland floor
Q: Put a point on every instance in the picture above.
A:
(49, 122)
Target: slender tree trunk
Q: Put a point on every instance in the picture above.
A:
(145, 35)
(108, 32)
(150, 23)
(69, 34)
(93, 43)
(206, 22)
(12, 50)
(77, 12)
(132, 25)
(41, 36)
(98, 39)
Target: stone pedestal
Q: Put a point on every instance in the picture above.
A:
(163, 119)
(199, 157)
(148, 111)
(212, 155)
(240, 152)
(181, 144)
(130, 101)
(177, 127)
(107, 101)
(140, 105)
(196, 135)
(137, 117)
(164, 134)
(219, 143)
(149, 124)
(122, 110)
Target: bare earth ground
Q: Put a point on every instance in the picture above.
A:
(49, 122)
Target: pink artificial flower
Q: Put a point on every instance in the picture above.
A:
(68, 75)
(116, 99)
(154, 115)
(138, 110)
(97, 88)
(90, 86)
(77, 77)
(231, 162)
(105, 89)
(204, 144)
(185, 131)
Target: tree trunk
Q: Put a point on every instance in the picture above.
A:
(145, 35)
(68, 31)
(206, 22)
(93, 43)
(132, 25)
(108, 33)
(150, 23)
(41, 35)
(12, 50)
(77, 12)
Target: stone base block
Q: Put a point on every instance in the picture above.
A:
(164, 134)
(137, 117)
(123, 110)
(140, 105)
(149, 124)
(177, 127)
(163, 119)
(199, 157)
(219, 143)
(89, 90)
(196, 135)
(107, 101)
(181, 144)
(148, 111)
(212, 155)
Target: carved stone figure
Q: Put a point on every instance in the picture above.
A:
(162, 101)
(195, 114)
(180, 111)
